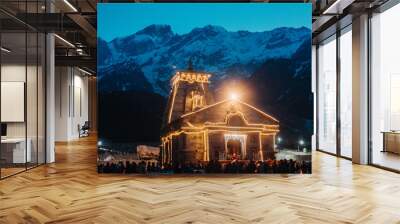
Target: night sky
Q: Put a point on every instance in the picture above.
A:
(122, 19)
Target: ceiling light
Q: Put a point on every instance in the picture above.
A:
(70, 5)
(5, 50)
(65, 41)
(84, 71)
(328, 10)
(337, 7)
(80, 51)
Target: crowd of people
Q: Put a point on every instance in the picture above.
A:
(214, 166)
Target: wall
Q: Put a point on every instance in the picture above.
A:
(16, 73)
(71, 102)
(33, 126)
(314, 91)
(92, 98)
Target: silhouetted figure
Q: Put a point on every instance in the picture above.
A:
(142, 167)
(251, 167)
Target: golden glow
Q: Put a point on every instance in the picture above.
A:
(261, 151)
(205, 144)
(170, 149)
(241, 137)
(234, 96)
(170, 135)
(238, 101)
(231, 128)
(175, 87)
(163, 153)
(224, 124)
(191, 77)
(267, 134)
(176, 133)
(260, 111)
(187, 114)
(237, 113)
(203, 129)
(197, 100)
(167, 140)
(190, 124)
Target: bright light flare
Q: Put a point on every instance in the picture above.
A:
(234, 96)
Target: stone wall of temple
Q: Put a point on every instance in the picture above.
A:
(253, 146)
(268, 146)
(181, 103)
(190, 148)
(216, 145)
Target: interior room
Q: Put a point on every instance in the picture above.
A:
(22, 104)
(53, 159)
(385, 87)
(27, 59)
(72, 106)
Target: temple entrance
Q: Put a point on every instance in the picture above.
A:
(235, 147)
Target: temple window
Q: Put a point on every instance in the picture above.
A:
(197, 100)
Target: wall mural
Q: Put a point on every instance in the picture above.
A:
(204, 88)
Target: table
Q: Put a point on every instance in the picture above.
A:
(391, 141)
(13, 150)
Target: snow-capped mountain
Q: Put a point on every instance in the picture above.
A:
(148, 58)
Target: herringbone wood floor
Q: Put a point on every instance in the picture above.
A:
(70, 191)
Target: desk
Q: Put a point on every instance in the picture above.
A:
(13, 150)
(391, 141)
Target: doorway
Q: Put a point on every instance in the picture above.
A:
(235, 147)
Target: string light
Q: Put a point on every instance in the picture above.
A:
(203, 130)
(169, 138)
(241, 102)
(175, 87)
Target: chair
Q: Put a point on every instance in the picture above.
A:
(84, 130)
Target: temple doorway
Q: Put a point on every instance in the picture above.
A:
(235, 147)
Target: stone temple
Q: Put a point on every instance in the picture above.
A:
(197, 129)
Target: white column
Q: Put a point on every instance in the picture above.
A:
(314, 91)
(63, 100)
(360, 90)
(50, 98)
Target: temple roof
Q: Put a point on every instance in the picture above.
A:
(190, 76)
(218, 112)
